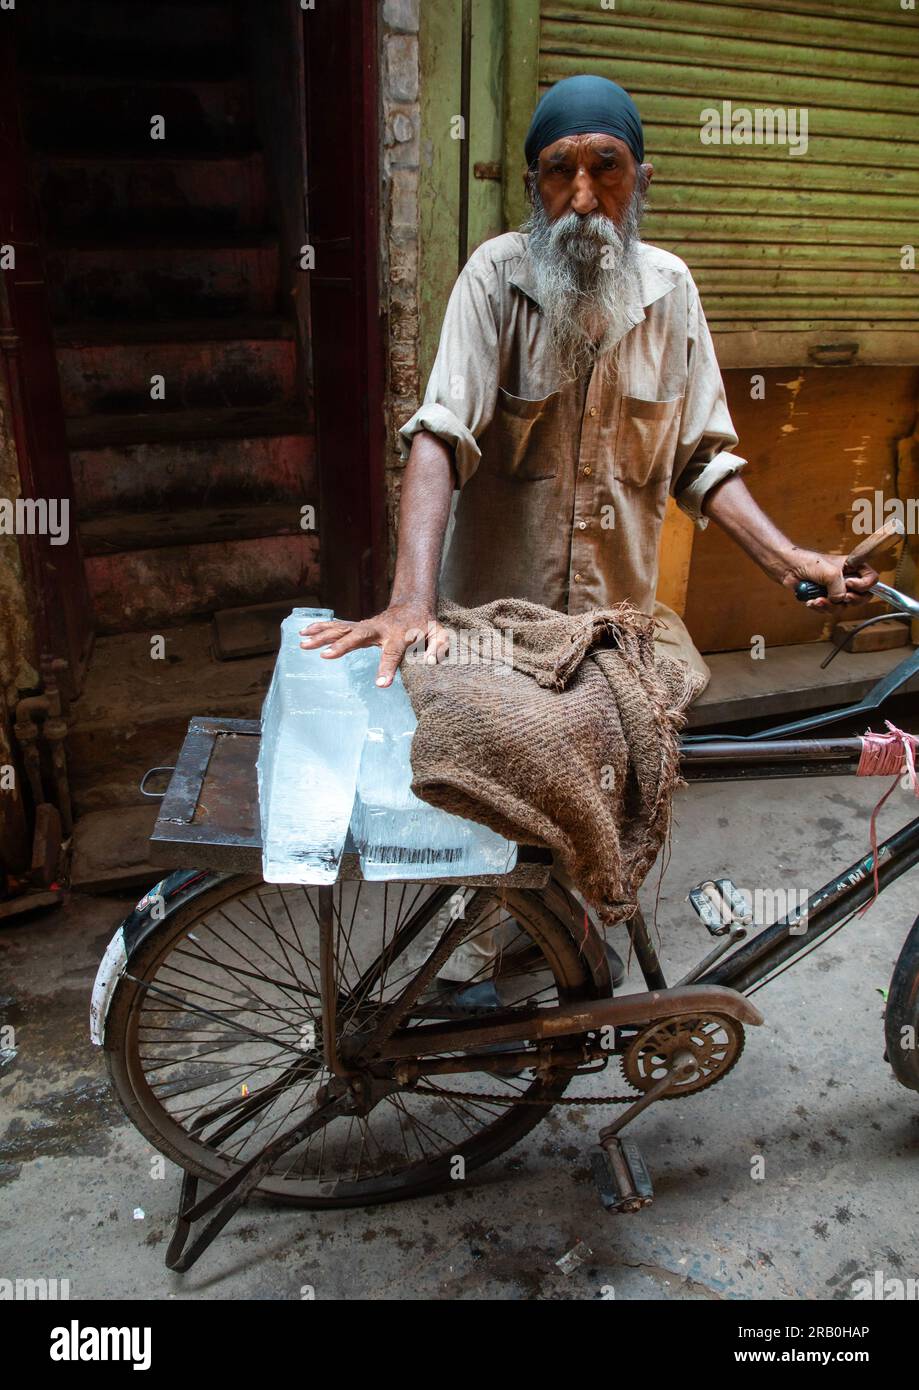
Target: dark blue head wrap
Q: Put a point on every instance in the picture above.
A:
(581, 106)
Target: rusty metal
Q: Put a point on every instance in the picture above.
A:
(226, 1199)
(636, 1100)
(736, 934)
(682, 1068)
(672, 1038)
(567, 1020)
(46, 846)
(209, 815)
(644, 948)
(55, 732)
(328, 983)
(768, 751)
(453, 937)
(26, 731)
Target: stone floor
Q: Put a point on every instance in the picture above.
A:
(812, 1097)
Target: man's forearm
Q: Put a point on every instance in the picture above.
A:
(738, 513)
(427, 489)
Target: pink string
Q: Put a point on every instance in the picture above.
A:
(883, 755)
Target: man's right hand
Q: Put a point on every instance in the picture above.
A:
(394, 630)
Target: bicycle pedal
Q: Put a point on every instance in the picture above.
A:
(622, 1178)
(721, 905)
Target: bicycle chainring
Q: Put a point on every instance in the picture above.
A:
(715, 1042)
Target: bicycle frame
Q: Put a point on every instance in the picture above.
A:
(738, 972)
(751, 964)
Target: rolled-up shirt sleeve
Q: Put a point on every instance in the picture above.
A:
(707, 436)
(463, 386)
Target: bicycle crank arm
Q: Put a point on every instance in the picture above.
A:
(536, 1025)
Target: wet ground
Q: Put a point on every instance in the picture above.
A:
(791, 1178)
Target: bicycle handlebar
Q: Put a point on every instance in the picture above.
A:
(806, 589)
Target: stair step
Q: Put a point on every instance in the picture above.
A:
(106, 431)
(100, 332)
(72, 111)
(97, 378)
(182, 474)
(184, 193)
(117, 532)
(111, 849)
(134, 711)
(145, 590)
(162, 281)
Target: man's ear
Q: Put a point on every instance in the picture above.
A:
(647, 174)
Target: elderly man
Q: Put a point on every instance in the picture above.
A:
(575, 386)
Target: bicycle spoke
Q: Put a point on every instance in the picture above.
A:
(228, 1031)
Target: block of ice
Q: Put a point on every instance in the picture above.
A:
(313, 729)
(396, 834)
(334, 771)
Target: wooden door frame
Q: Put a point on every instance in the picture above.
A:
(340, 42)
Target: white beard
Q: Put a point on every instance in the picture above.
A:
(586, 271)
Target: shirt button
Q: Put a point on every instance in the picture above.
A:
(593, 410)
(588, 470)
(577, 579)
(582, 525)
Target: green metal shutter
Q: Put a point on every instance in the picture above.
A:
(795, 256)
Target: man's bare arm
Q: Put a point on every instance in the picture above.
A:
(427, 488)
(736, 512)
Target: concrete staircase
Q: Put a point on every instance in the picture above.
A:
(164, 264)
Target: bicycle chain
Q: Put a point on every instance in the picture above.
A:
(525, 1100)
(415, 1090)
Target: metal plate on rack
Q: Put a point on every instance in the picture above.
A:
(209, 816)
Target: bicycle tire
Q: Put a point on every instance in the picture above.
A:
(543, 922)
(901, 1017)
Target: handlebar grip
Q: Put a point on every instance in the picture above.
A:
(806, 589)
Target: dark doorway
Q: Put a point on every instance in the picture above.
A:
(211, 407)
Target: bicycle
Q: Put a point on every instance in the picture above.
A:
(284, 1040)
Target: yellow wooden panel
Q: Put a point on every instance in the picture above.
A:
(675, 558)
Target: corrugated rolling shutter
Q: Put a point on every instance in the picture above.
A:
(795, 256)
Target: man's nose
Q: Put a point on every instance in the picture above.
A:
(583, 199)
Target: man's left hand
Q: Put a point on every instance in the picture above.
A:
(828, 570)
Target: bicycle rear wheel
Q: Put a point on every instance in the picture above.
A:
(213, 1038)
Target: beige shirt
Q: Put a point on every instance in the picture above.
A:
(563, 487)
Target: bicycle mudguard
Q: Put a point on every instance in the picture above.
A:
(154, 907)
(888, 685)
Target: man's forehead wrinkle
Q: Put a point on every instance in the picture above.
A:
(597, 144)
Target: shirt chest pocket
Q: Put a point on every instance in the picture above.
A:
(522, 440)
(646, 438)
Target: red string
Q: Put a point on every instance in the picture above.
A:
(883, 754)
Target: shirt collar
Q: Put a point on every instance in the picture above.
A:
(651, 284)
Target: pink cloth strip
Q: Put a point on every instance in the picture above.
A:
(884, 755)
